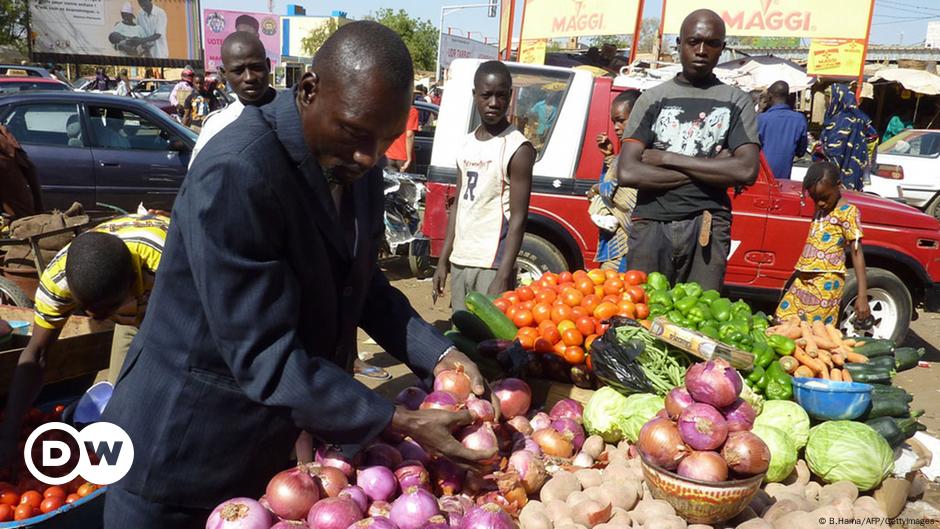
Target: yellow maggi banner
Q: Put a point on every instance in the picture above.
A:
(532, 51)
(548, 19)
(846, 19)
(505, 27)
(835, 57)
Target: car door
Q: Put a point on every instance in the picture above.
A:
(53, 135)
(134, 161)
(424, 140)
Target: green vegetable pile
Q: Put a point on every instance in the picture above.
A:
(615, 417)
(849, 450)
(663, 364)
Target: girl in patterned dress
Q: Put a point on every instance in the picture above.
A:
(816, 292)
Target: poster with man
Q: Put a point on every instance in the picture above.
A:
(221, 23)
(152, 29)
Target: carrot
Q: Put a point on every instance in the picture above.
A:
(838, 359)
(834, 334)
(789, 330)
(821, 335)
(811, 348)
(846, 376)
(836, 374)
(824, 374)
(825, 357)
(789, 364)
(803, 371)
(850, 342)
(855, 357)
(808, 361)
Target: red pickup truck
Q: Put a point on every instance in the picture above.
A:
(770, 218)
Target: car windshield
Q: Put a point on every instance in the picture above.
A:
(162, 92)
(14, 87)
(921, 143)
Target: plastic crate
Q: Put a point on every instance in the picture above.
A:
(85, 513)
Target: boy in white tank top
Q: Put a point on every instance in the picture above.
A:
(486, 226)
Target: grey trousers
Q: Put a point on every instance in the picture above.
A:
(465, 279)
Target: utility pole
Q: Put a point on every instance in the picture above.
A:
(440, 29)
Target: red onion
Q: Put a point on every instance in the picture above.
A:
(521, 425)
(289, 524)
(411, 398)
(530, 468)
(514, 396)
(540, 421)
(380, 509)
(454, 507)
(739, 415)
(553, 443)
(571, 429)
(489, 516)
(239, 513)
(661, 443)
(677, 400)
(714, 382)
(703, 427)
(567, 408)
(746, 454)
(412, 450)
(703, 466)
(379, 522)
(440, 400)
(526, 443)
(481, 409)
(448, 477)
(413, 508)
(436, 522)
(333, 513)
(336, 459)
(381, 454)
(412, 474)
(378, 483)
(662, 413)
(357, 495)
(479, 437)
(291, 493)
(454, 381)
(332, 480)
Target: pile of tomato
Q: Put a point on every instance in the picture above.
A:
(563, 313)
(21, 495)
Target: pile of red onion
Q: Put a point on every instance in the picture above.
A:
(704, 432)
(396, 484)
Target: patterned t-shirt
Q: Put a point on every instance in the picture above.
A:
(829, 235)
(700, 121)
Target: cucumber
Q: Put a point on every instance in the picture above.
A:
(497, 322)
(907, 357)
(873, 348)
(869, 374)
(462, 342)
(471, 326)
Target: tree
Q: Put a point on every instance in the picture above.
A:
(13, 15)
(649, 29)
(312, 42)
(420, 36)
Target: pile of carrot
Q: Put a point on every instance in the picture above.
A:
(821, 350)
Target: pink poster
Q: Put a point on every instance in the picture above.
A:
(220, 23)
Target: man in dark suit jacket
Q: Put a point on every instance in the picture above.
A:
(269, 267)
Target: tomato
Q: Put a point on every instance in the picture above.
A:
(590, 302)
(585, 286)
(502, 304)
(579, 312)
(543, 346)
(588, 363)
(572, 336)
(32, 497)
(637, 294)
(51, 504)
(525, 293)
(527, 337)
(512, 311)
(585, 325)
(605, 311)
(589, 340)
(634, 277)
(59, 408)
(565, 277)
(6, 513)
(564, 325)
(610, 274)
(574, 355)
(54, 491)
(597, 276)
(72, 498)
(541, 312)
(642, 311)
(527, 305)
(572, 297)
(559, 349)
(613, 286)
(550, 277)
(578, 275)
(599, 291)
(87, 489)
(10, 497)
(549, 332)
(561, 313)
(511, 297)
(546, 295)
(626, 308)
(523, 318)
(23, 511)
(6, 485)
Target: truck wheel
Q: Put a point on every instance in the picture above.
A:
(419, 259)
(890, 303)
(12, 294)
(536, 257)
(933, 208)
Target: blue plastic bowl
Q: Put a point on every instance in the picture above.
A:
(831, 401)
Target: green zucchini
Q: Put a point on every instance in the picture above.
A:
(872, 348)
(896, 431)
(869, 374)
(887, 406)
(907, 357)
(886, 362)
(497, 322)
(471, 326)
(890, 391)
(462, 342)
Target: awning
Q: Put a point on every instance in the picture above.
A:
(919, 81)
(758, 73)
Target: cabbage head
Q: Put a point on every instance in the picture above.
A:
(615, 417)
(787, 416)
(782, 451)
(849, 450)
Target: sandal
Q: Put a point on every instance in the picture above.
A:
(370, 371)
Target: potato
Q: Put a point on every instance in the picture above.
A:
(617, 472)
(590, 513)
(577, 497)
(802, 502)
(794, 519)
(534, 518)
(620, 516)
(826, 512)
(589, 477)
(557, 510)
(665, 522)
(777, 510)
(560, 486)
(622, 495)
(700, 526)
(650, 510)
(760, 502)
(570, 526)
(870, 506)
(812, 490)
(756, 523)
(829, 493)
(845, 507)
(594, 446)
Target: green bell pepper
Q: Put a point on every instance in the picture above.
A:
(676, 317)
(741, 324)
(758, 336)
(677, 292)
(683, 305)
(721, 309)
(740, 307)
(756, 374)
(709, 296)
(697, 315)
(693, 290)
(779, 383)
(710, 331)
(760, 321)
(657, 310)
(725, 330)
(781, 344)
(763, 355)
(661, 297)
(657, 281)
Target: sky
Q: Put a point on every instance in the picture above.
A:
(894, 22)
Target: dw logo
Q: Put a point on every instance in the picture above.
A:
(114, 453)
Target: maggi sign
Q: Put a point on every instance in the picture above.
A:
(547, 19)
(846, 19)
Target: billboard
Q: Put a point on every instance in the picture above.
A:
(836, 57)
(845, 19)
(296, 28)
(548, 19)
(136, 32)
(220, 23)
(505, 28)
(454, 47)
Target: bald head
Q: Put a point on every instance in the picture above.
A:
(242, 44)
(701, 41)
(246, 67)
(780, 90)
(701, 16)
(366, 51)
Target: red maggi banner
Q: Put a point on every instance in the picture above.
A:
(547, 19)
(845, 19)
(835, 57)
(505, 28)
